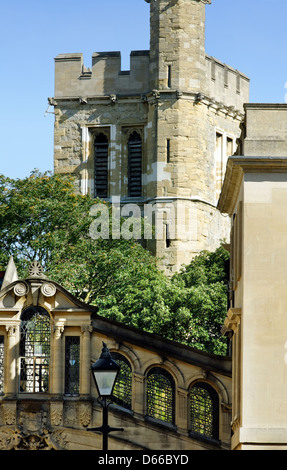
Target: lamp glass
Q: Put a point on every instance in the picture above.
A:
(105, 381)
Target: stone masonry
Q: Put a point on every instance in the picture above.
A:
(187, 109)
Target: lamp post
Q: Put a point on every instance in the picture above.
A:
(105, 371)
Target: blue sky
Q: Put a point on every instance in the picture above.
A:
(249, 35)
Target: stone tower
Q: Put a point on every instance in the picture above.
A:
(177, 45)
(156, 136)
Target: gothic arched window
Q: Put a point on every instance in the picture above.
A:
(204, 410)
(35, 335)
(135, 165)
(160, 395)
(101, 147)
(122, 394)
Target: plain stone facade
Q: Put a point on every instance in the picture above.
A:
(254, 194)
(187, 109)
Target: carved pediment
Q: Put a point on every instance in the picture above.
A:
(39, 291)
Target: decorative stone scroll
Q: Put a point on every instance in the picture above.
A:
(48, 289)
(21, 289)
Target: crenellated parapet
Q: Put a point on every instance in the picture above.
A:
(106, 78)
(226, 85)
(74, 79)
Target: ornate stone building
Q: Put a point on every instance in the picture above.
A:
(156, 136)
(167, 396)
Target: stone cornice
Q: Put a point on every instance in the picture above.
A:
(154, 97)
(164, 347)
(237, 166)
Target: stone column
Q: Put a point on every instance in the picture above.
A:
(10, 384)
(181, 415)
(57, 382)
(138, 397)
(85, 368)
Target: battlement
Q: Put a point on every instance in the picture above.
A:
(73, 79)
(226, 85)
(105, 77)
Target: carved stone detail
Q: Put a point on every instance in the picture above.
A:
(21, 289)
(13, 439)
(71, 415)
(35, 269)
(48, 289)
(9, 413)
(56, 414)
(9, 439)
(11, 330)
(85, 414)
(59, 331)
(86, 329)
(33, 422)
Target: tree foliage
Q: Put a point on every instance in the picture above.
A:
(42, 217)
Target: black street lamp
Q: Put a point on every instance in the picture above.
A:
(105, 372)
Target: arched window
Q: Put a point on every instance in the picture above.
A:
(34, 350)
(204, 410)
(101, 146)
(122, 394)
(160, 395)
(135, 165)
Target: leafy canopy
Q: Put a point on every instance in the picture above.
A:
(42, 218)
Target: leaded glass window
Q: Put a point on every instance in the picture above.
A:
(1, 365)
(204, 410)
(122, 394)
(35, 350)
(160, 395)
(72, 365)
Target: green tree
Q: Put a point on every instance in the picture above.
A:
(204, 294)
(38, 216)
(41, 217)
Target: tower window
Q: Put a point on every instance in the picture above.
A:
(135, 165)
(169, 76)
(101, 146)
(167, 236)
(168, 150)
